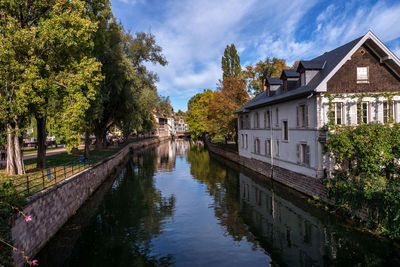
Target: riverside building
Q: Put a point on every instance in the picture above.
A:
(286, 125)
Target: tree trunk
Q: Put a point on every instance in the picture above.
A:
(100, 141)
(87, 143)
(15, 162)
(10, 169)
(41, 139)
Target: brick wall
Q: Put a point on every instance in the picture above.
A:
(51, 208)
(308, 185)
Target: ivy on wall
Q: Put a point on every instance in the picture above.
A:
(359, 97)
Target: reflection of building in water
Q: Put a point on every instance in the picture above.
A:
(166, 155)
(182, 147)
(299, 238)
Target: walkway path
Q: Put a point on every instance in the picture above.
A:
(34, 155)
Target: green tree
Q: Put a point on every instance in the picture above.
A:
(197, 114)
(230, 62)
(128, 95)
(257, 74)
(46, 67)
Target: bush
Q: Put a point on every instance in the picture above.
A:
(366, 177)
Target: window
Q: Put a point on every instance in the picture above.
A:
(242, 140)
(241, 121)
(284, 85)
(387, 112)
(256, 120)
(256, 146)
(246, 122)
(245, 141)
(303, 79)
(258, 197)
(267, 119)
(303, 154)
(277, 117)
(302, 116)
(339, 113)
(268, 147)
(364, 112)
(362, 74)
(285, 131)
(277, 148)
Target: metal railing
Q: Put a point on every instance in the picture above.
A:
(31, 183)
(42, 179)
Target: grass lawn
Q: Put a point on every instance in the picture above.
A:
(59, 167)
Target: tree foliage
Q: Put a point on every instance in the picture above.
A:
(229, 97)
(367, 173)
(197, 115)
(256, 74)
(230, 62)
(45, 66)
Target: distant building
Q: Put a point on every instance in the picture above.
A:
(180, 125)
(286, 124)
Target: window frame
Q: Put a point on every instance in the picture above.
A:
(335, 104)
(268, 149)
(267, 118)
(363, 79)
(285, 130)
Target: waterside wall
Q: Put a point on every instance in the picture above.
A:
(305, 184)
(51, 208)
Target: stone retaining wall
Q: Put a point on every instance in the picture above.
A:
(52, 207)
(304, 184)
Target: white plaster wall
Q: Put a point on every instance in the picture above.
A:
(350, 109)
(287, 149)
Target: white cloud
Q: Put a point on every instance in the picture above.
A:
(333, 28)
(194, 34)
(193, 38)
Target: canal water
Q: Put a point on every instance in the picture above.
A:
(177, 205)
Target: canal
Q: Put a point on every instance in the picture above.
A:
(176, 205)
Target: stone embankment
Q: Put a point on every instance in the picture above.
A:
(304, 184)
(51, 208)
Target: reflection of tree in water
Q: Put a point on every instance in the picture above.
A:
(129, 218)
(222, 184)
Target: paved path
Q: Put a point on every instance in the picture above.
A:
(34, 155)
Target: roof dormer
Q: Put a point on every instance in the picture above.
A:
(273, 85)
(289, 79)
(308, 70)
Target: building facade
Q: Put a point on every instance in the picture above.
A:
(286, 125)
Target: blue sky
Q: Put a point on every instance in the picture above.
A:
(194, 33)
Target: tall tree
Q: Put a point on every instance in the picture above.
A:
(228, 98)
(230, 62)
(43, 60)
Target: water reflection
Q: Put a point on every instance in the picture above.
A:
(176, 205)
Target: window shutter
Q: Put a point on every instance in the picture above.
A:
(306, 116)
(298, 153)
(307, 156)
(297, 115)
